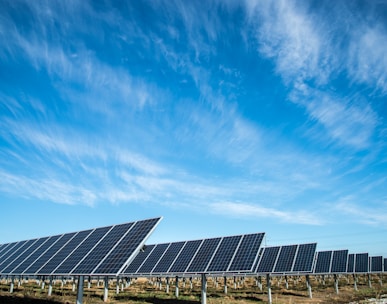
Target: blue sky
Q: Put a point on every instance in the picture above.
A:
(224, 117)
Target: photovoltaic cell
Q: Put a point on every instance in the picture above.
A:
(351, 263)
(35, 255)
(63, 253)
(44, 258)
(139, 259)
(339, 261)
(188, 252)
(247, 253)
(23, 256)
(305, 257)
(323, 263)
(169, 256)
(78, 255)
(361, 262)
(285, 259)
(123, 251)
(376, 264)
(268, 259)
(100, 251)
(153, 258)
(204, 255)
(224, 254)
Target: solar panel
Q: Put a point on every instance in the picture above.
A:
(385, 265)
(351, 263)
(247, 253)
(153, 258)
(305, 257)
(285, 259)
(376, 263)
(268, 259)
(100, 251)
(323, 263)
(224, 254)
(361, 262)
(188, 252)
(169, 256)
(139, 259)
(339, 261)
(204, 255)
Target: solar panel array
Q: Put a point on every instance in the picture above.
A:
(376, 264)
(215, 255)
(331, 261)
(358, 263)
(286, 259)
(100, 251)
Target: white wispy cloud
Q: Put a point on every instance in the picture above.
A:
(232, 209)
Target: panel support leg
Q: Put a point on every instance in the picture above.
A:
(177, 287)
(369, 281)
(286, 282)
(167, 283)
(269, 299)
(336, 283)
(106, 289)
(204, 289)
(50, 287)
(117, 285)
(309, 286)
(12, 285)
(225, 284)
(355, 282)
(80, 290)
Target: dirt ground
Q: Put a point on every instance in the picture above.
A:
(143, 291)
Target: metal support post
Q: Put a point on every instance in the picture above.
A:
(269, 299)
(80, 290)
(369, 281)
(225, 284)
(286, 282)
(336, 283)
(12, 285)
(167, 283)
(355, 282)
(50, 287)
(177, 287)
(106, 289)
(204, 289)
(309, 286)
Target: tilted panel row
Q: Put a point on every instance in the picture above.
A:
(286, 259)
(358, 263)
(101, 251)
(199, 256)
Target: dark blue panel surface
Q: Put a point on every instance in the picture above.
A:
(323, 263)
(204, 255)
(247, 253)
(385, 264)
(169, 256)
(305, 257)
(12, 254)
(58, 257)
(121, 253)
(339, 261)
(35, 255)
(23, 256)
(268, 259)
(351, 263)
(139, 260)
(188, 252)
(361, 263)
(74, 258)
(286, 258)
(376, 264)
(100, 251)
(224, 254)
(153, 258)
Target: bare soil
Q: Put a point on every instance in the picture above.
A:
(143, 291)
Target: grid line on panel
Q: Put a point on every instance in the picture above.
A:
(43, 259)
(153, 258)
(204, 255)
(62, 254)
(170, 255)
(24, 255)
(137, 262)
(101, 249)
(268, 259)
(186, 256)
(35, 255)
(81, 251)
(361, 263)
(323, 263)
(305, 257)
(376, 264)
(247, 252)
(123, 251)
(224, 254)
(285, 259)
(12, 254)
(339, 261)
